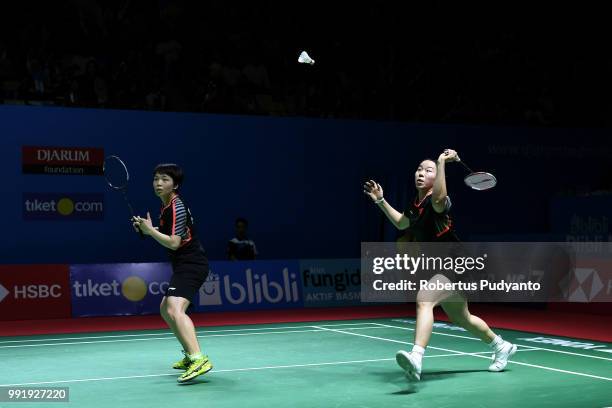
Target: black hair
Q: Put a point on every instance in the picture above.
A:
(242, 220)
(428, 159)
(173, 171)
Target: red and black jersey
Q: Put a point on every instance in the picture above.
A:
(176, 219)
(427, 225)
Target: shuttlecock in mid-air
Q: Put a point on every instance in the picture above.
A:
(304, 58)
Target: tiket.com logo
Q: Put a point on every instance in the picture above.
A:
(133, 288)
(52, 206)
(583, 286)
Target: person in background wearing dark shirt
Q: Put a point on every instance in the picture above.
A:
(241, 248)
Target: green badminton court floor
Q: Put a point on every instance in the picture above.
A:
(322, 364)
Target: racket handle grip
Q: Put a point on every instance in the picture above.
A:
(139, 230)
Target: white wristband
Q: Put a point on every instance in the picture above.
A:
(380, 200)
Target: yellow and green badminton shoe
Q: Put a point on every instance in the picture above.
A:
(182, 364)
(197, 367)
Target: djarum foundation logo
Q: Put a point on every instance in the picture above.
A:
(64, 161)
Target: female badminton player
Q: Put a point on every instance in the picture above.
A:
(428, 220)
(189, 265)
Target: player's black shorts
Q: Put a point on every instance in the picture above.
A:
(187, 278)
(466, 276)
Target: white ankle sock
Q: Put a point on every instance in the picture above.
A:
(496, 343)
(196, 356)
(418, 351)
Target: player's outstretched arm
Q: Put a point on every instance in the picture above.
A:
(375, 191)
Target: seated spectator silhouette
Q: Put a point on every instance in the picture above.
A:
(241, 248)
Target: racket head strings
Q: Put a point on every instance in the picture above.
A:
(480, 180)
(116, 173)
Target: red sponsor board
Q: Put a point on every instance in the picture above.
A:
(34, 292)
(62, 160)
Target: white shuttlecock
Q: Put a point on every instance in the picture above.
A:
(304, 58)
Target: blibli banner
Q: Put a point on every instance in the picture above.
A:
(137, 288)
(118, 289)
(251, 286)
(331, 282)
(582, 219)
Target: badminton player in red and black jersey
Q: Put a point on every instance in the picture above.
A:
(428, 220)
(176, 232)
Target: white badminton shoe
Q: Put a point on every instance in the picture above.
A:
(501, 356)
(410, 363)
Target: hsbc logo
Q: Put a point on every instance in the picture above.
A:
(583, 286)
(3, 292)
(32, 292)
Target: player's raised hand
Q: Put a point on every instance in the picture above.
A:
(373, 190)
(144, 224)
(448, 155)
(135, 223)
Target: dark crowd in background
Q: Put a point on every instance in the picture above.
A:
(442, 63)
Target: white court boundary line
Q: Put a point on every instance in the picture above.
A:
(272, 330)
(170, 333)
(319, 328)
(478, 356)
(230, 370)
(522, 345)
(307, 330)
